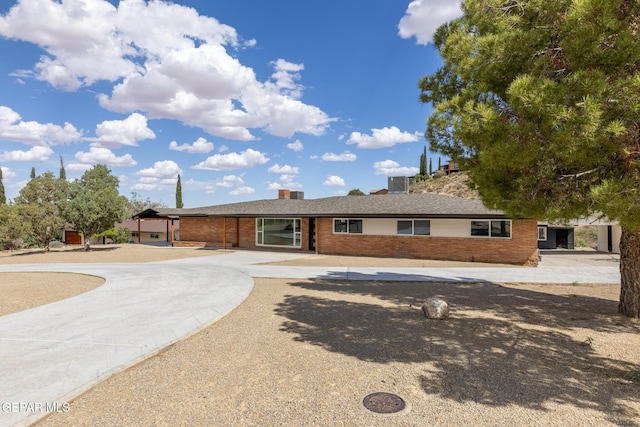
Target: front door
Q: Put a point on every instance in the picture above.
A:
(562, 238)
(312, 234)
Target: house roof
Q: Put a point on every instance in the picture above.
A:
(379, 206)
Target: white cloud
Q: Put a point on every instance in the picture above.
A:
(284, 169)
(242, 190)
(344, 157)
(164, 169)
(230, 181)
(334, 181)
(12, 128)
(168, 62)
(100, 155)
(392, 168)
(7, 173)
(385, 137)
(163, 174)
(35, 154)
(423, 17)
(120, 133)
(200, 146)
(296, 146)
(224, 162)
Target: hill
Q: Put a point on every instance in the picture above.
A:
(456, 184)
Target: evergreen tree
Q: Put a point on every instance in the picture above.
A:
(179, 194)
(547, 130)
(423, 162)
(430, 166)
(40, 202)
(3, 197)
(94, 204)
(33, 172)
(63, 173)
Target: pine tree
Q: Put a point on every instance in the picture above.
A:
(549, 130)
(3, 197)
(63, 173)
(179, 204)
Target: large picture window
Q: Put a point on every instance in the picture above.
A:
(278, 232)
(350, 226)
(493, 228)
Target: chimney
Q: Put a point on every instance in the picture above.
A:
(284, 194)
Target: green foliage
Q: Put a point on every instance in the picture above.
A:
(3, 197)
(179, 204)
(94, 204)
(586, 236)
(40, 202)
(14, 232)
(356, 192)
(548, 130)
(117, 235)
(423, 162)
(33, 173)
(137, 204)
(63, 173)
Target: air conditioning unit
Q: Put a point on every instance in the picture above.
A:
(297, 195)
(398, 184)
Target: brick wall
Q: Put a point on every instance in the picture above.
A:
(208, 232)
(521, 249)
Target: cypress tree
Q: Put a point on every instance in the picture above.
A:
(33, 172)
(423, 162)
(3, 197)
(63, 173)
(179, 204)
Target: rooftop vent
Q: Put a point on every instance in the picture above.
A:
(398, 184)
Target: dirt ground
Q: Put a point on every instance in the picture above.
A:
(306, 352)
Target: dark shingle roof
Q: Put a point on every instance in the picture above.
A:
(388, 205)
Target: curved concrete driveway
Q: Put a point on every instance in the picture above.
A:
(51, 354)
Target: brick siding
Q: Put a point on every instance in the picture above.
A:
(521, 249)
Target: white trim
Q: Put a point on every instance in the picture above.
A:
(490, 220)
(297, 235)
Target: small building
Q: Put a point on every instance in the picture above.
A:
(424, 226)
(555, 237)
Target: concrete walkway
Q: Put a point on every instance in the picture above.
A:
(53, 353)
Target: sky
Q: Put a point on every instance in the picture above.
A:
(238, 97)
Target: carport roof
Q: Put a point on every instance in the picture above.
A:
(379, 206)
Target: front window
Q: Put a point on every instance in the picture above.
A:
(494, 228)
(414, 227)
(542, 234)
(349, 226)
(278, 232)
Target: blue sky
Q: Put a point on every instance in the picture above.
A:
(239, 97)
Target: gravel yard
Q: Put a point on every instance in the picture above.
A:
(305, 352)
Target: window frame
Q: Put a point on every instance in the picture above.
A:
(296, 232)
(413, 227)
(348, 222)
(545, 233)
(490, 234)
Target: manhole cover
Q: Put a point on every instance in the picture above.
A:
(383, 403)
